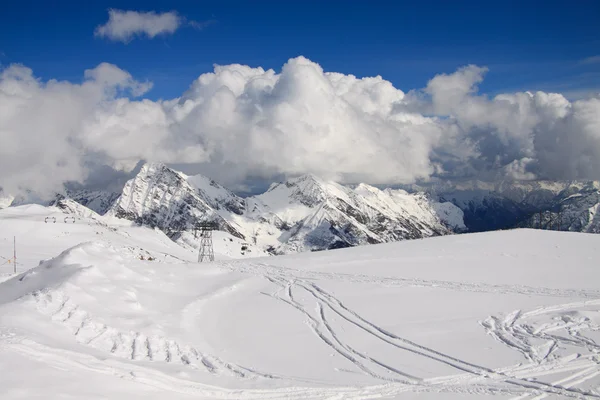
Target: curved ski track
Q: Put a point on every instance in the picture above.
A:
(509, 331)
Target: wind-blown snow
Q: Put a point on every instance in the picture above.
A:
(512, 313)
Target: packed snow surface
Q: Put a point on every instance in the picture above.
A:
(101, 309)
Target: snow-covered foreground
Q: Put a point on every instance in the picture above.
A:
(514, 314)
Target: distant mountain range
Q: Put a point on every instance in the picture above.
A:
(309, 214)
(568, 206)
(301, 214)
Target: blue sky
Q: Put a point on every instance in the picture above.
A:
(528, 45)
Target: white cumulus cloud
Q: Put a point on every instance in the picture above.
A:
(240, 123)
(125, 25)
(42, 125)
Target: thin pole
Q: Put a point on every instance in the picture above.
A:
(15, 253)
(560, 220)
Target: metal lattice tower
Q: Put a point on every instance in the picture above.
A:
(206, 251)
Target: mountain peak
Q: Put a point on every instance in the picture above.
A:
(363, 188)
(215, 195)
(305, 178)
(159, 196)
(154, 165)
(311, 190)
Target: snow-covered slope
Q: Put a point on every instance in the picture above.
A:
(511, 314)
(40, 231)
(70, 206)
(96, 200)
(304, 213)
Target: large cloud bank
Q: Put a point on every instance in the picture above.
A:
(239, 122)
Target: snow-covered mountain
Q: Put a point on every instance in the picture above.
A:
(501, 205)
(96, 200)
(163, 198)
(301, 214)
(308, 213)
(69, 206)
(313, 214)
(575, 209)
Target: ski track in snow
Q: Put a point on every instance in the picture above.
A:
(511, 330)
(266, 269)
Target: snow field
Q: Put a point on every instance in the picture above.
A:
(514, 314)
